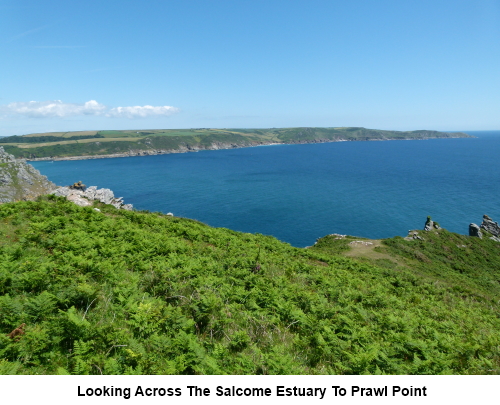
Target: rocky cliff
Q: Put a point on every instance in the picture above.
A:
(20, 181)
(84, 196)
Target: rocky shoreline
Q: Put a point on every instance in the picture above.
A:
(20, 181)
(148, 152)
(214, 146)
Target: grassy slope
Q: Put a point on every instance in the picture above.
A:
(85, 143)
(468, 266)
(131, 292)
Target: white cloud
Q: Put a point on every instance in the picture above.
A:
(142, 111)
(58, 109)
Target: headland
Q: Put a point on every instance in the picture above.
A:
(126, 143)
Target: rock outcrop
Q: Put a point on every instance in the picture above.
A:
(413, 235)
(20, 181)
(84, 196)
(474, 230)
(430, 225)
(488, 225)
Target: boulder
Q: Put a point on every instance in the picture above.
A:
(474, 230)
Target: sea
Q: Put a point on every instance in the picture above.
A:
(298, 193)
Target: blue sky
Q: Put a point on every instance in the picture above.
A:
(383, 64)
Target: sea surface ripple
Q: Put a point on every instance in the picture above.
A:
(298, 193)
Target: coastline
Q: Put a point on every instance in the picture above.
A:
(218, 146)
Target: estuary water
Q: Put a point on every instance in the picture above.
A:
(298, 193)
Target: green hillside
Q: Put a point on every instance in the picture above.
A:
(134, 142)
(120, 292)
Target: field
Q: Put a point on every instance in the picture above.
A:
(63, 134)
(38, 145)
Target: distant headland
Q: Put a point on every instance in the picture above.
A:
(125, 143)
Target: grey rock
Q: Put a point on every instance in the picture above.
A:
(474, 230)
(490, 226)
(62, 192)
(90, 192)
(413, 235)
(78, 200)
(85, 197)
(105, 195)
(430, 225)
(20, 181)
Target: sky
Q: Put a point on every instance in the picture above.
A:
(386, 64)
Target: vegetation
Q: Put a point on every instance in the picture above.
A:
(119, 292)
(468, 266)
(85, 143)
(43, 139)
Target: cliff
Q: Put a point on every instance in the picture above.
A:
(102, 144)
(20, 181)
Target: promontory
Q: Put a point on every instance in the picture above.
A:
(124, 143)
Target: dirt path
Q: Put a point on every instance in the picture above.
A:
(365, 248)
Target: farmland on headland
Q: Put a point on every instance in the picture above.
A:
(120, 143)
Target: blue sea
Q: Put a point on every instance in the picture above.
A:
(298, 193)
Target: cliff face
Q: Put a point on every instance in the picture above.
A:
(20, 181)
(64, 146)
